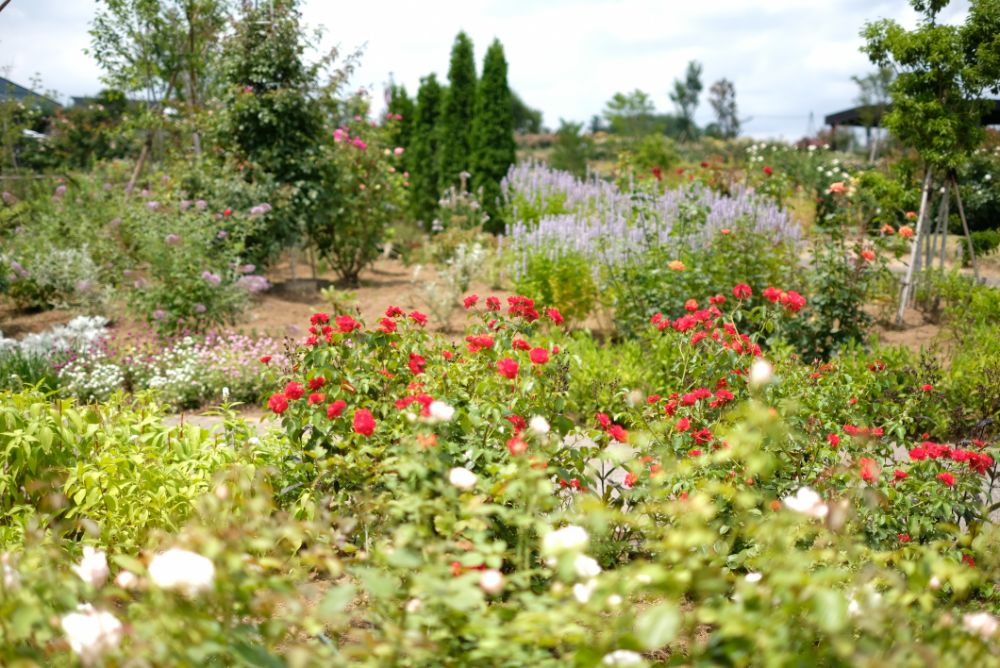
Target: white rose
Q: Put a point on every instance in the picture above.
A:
(982, 623)
(462, 478)
(807, 502)
(539, 425)
(761, 372)
(622, 657)
(491, 581)
(582, 591)
(753, 577)
(93, 567)
(570, 538)
(182, 570)
(91, 632)
(586, 567)
(440, 411)
(126, 579)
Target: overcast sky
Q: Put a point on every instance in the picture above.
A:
(787, 58)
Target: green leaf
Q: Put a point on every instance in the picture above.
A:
(830, 610)
(336, 601)
(658, 626)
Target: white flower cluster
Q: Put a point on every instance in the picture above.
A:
(76, 336)
(93, 378)
(178, 374)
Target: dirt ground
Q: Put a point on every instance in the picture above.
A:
(285, 309)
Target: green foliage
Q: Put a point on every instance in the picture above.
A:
(526, 119)
(457, 113)
(722, 99)
(401, 112)
(273, 125)
(653, 151)
(90, 133)
(566, 279)
(980, 194)
(20, 369)
(193, 270)
(366, 195)
(630, 114)
(492, 140)
(422, 155)
(940, 82)
(685, 97)
(649, 285)
(840, 283)
(571, 150)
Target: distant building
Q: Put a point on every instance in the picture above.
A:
(12, 91)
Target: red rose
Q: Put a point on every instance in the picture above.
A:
(418, 317)
(683, 424)
(618, 433)
(347, 324)
(493, 303)
(631, 479)
(768, 171)
(869, 469)
(539, 356)
(833, 439)
(555, 315)
(393, 311)
(335, 409)
(278, 403)
(742, 291)
(904, 538)
(691, 305)
(387, 325)
(947, 478)
(926, 387)
(294, 390)
(520, 344)
(507, 368)
(264, 359)
(227, 213)
(316, 398)
(516, 446)
(317, 382)
(772, 294)
(364, 423)
(417, 363)
(319, 319)
(470, 301)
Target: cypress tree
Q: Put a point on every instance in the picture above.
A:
(402, 105)
(459, 108)
(492, 133)
(422, 154)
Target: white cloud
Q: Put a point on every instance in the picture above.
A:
(567, 57)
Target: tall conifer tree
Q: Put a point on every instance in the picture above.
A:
(422, 154)
(459, 109)
(493, 148)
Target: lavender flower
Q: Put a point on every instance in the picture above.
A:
(214, 279)
(253, 284)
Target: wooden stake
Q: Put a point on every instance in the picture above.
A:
(904, 296)
(965, 228)
(943, 228)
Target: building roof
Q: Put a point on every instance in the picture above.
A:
(859, 116)
(12, 91)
